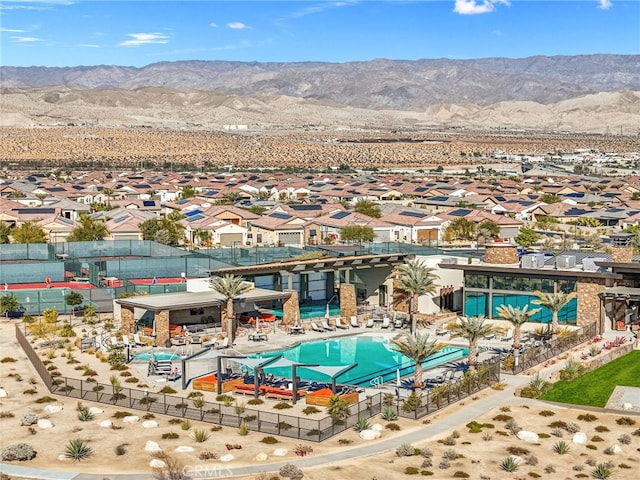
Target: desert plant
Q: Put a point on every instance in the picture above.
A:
(244, 429)
(84, 415)
(572, 427)
(361, 424)
(291, 471)
(338, 409)
(587, 417)
(413, 401)
(282, 406)
(207, 455)
(517, 451)
(168, 390)
(255, 401)
(394, 427)
(546, 413)
(626, 421)
(17, 451)
(450, 454)
(200, 435)
(77, 450)
(624, 439)
(601, 471)
(170, 436)
(239, 408)
(509, 464)
(389, 414)
(512, 426)
(185, 424)
(29, 419)
(602, 428)
(449, 441)
(269, 440)
(530, 459)
(561, 447)
(121, 449)
(487, 436)
(405, 450)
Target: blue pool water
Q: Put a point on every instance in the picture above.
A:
(312, 311)
(374, 355)
(158, 355)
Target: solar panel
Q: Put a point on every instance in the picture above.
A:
(407, 213)
(339, 215)
(281, 216)
(193, 212)
(149, 203)
(461, 212)
(305, 207)
(195, 217)
(121, 219)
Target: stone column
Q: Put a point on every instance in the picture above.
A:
(348, 305)
(162, 327)
(400, 300)
(621, 254)
(501, 254)
(291, 309)
(588, 295)
(126, 320)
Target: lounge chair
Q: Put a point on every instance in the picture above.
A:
(315, 327)
(386, 322)
(126, 343)
(398, 323)
(442, 330)
(369, 323)
(354, 322)
(326, 326)
(508, 336)
(224, 344)
(137, 341)
(115, 342)
(341, 325)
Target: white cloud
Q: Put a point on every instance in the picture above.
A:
(236, 25)
(11, 30)
(475, 7)
(213, 25)
(605, 4)
(138, 39)
(88, 45)
(25, 39)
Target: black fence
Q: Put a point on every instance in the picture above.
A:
(546, 349)
(427, 401)
(233, 414)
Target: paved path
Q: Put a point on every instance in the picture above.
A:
(443, 423)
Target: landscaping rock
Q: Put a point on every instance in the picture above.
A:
(149, 424)
(579, 438)
(53, 408)
(63, 458)
(152, 446)
(377, 427)
(615, 449)
(106, 424)
(95, 410)
(3, 393)
(262, 457)
(527, 436)
(227, 458)
(157, 463)
(131, 419)
(627, 406)
(370, 434)
(184, 449)
(280, 452)
(44, 423)
(516, 459)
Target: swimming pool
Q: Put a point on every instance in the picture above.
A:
(374, 355)
(158, 355)
(312, 311)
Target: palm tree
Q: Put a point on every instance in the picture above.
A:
(473, 329)
(554, 302)
(415, 279)
(517, 317)
(418, 348)
(230, 286)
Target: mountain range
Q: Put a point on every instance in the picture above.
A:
(589, 93)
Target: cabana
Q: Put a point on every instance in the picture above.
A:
(206, 380)
(255, 364)
(321, 397)
(293, 393)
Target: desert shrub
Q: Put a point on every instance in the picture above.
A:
(543, 435)
(411, 471)
(587, 417)
(427, 463)
(450, 454)
(534, 475)
(255, 401)
(207, 455)
(624, 465)
(626, 421)
(572, 427)
(609, 451)
(405, 450)
(8, 360)
(518, 451)
(345, 441)
(291, 471)
(29, 419)
(200, 435)
(449, 441)
(412, 402)
(487, 436)
(502, 418)
(601, 429)
(168, 390)
(558, 424)
(636, 432)
(509, 464)
(425, 453)
(546, 413)
(175, 421)
(624, 439)
(530, 459)
(185, 424)
(505, 408)
(426, 473)
(444, 464)
(461, 474)
(284, 426)
(45, 399)
(269, 440)
(549, 469)
(17, 451)
(578, 468)
(561, 447)
(601, 471)
(591, 447)
(282, 406)
(121, 414)
(394, 427)
(513, 426)
(6, 415)
(77, 450)
(170, 436)
(30, 391)
(389, 414)
(474, 427)
(597, 438)
(121, 449)
(216, 428)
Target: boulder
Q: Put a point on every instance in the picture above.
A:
(131, 419)
(615, 449)
(149, 424)
(157, 463)
(580, 438)
(377, 427)
(627, 406)
(262, 457)
(184, 449)
(152, 446)
(227, 458)
(44, 423)
(53, 408)
(527, 436)
(63, 458)
(370, 434)
(3, 393)
(106, 424)
(280, 452)
(95, 410)
(516, 459)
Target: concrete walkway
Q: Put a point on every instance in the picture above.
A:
(442, 424)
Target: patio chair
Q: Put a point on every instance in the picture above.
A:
(328, 327)
(369, 323)
(386, 322)
(508, 336)
(137, 341)
(126, 343)
(115, 342)
(354, 322)
(442, 330)
(398, 323)
(315, 327)
(341, 325)
(224, 344)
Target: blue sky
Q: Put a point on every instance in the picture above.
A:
(137, 33)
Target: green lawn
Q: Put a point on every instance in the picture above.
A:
(595, 388)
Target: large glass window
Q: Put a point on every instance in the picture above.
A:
(522, 284)
(476, 303)
(474, 280)
(567, 315)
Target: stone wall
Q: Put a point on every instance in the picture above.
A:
(501, 254)
(162, 327)
(291, 308)
(622, 254)
(126, 320)
(348, 305)
(588, 290)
